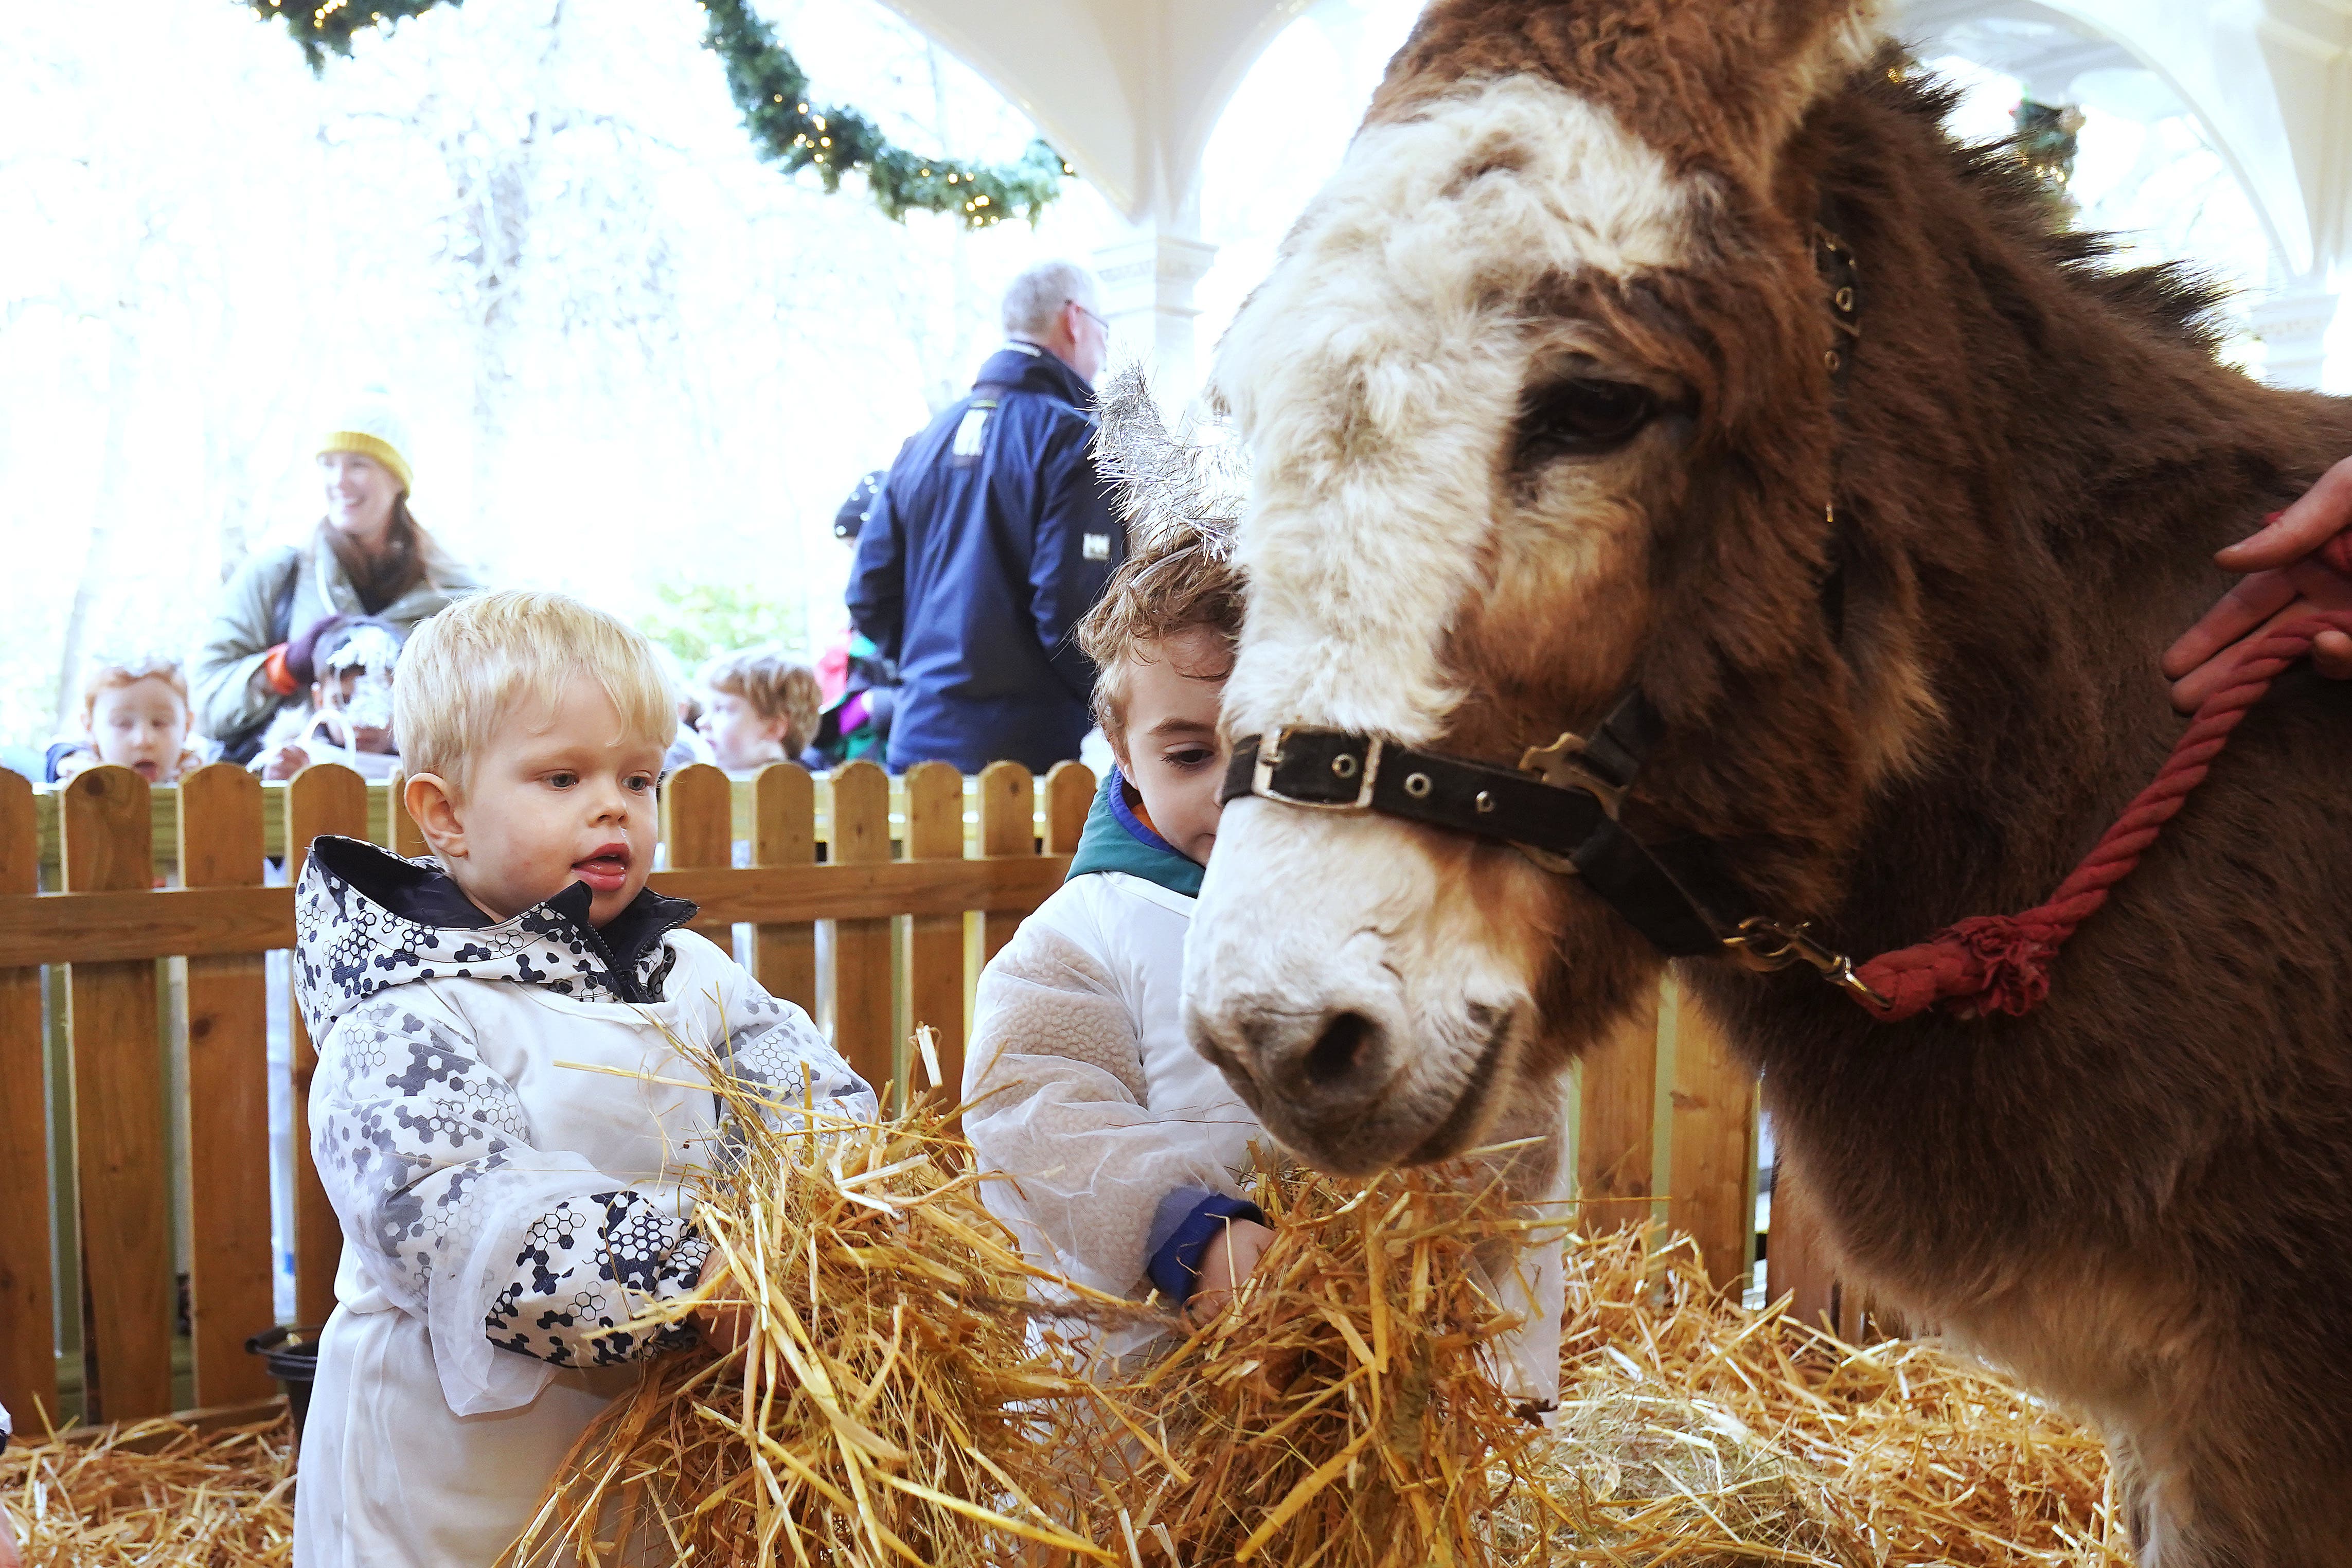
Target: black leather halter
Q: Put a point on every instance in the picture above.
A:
(1559, 808)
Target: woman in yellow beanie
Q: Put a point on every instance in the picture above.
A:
(369, 556)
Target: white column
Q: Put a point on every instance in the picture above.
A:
(2291, 321)
(1148, 281)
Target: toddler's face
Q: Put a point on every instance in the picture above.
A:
(1172, 754)
(334, 695)
(738, 736)
(569, 799)
(142, 726)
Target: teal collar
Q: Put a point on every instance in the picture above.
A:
(1116, 839)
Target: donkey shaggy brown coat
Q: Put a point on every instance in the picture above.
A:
(2139, 1197)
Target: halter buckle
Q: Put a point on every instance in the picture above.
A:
(1561, 764)
(1269, 757)
(1765, 945)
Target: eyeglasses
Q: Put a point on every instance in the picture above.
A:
(1089, 315)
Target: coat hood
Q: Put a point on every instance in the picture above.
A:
(366, 920)
(1116, 839)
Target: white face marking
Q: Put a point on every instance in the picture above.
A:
(1375, 373)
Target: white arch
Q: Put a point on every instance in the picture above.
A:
(1128, 90)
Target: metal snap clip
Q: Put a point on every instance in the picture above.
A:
(1417, 785)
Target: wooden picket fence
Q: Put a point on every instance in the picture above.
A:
(920, 879)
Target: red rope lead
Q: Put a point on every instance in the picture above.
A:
(2001, 963)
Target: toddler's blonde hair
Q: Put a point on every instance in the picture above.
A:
(776, 684)
(104, 675)
(471, 668)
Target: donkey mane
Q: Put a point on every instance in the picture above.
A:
(2173, 296)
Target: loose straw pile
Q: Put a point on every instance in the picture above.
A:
(1695, 1432)
(892, 1403)
(1343, 1413)
(908, 1398)
(158, 1494)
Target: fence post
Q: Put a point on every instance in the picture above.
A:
(326, 798)
(935, 943)
(118, 1071)
(1008, 825)
(1712, 1145)
(28, 1361)
(228, 1099)
(1069, 796)
(863, 1025)
(783, 833)
(1616, 1125)
(698, 806)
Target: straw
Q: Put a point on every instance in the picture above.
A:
(912, 1391)
(891, 1402)
(1343, 1411)
(156, 1493)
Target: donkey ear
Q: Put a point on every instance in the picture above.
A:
(1722, 84)
(1741, 74)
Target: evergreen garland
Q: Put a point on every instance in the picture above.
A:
(788, 129)
(331, 24)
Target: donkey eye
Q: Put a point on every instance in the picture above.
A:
(1581, 419)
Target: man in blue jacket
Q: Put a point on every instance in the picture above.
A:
(989, 540)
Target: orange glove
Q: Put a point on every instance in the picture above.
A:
(273, 668)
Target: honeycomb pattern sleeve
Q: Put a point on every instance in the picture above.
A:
(776, 1050)
(450, 1212)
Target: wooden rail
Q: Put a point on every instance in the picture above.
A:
(919, 880)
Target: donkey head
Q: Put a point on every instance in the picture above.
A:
(1536, 410)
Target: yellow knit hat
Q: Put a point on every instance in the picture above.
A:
(372, 429)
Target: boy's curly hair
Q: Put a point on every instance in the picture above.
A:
(1183, 578)
(776, 684)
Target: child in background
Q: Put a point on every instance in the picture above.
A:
(135, 714)
(1121, 1147)
(689, 747)
(348, 719)
(499, 1113)
(762, 708)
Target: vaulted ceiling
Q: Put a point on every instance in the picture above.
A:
(1129, 89)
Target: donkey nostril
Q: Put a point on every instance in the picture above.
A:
(1339, 1050)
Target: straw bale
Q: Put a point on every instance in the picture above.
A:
(156, 1493)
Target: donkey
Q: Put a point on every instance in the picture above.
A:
(1549, 399)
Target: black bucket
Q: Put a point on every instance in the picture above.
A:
(292, 1356)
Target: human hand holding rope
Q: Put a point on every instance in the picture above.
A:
(2298, 565)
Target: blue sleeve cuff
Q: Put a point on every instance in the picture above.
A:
(1174, 1265)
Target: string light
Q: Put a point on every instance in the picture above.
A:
(764, 78)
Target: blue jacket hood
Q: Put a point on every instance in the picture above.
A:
(990, 536)
(1116, 839)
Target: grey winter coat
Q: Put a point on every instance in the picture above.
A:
(226, 688)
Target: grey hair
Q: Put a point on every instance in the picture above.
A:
(1039, 295)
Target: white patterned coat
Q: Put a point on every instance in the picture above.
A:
(507, 1208)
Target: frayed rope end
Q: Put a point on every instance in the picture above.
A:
(1984, 964)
